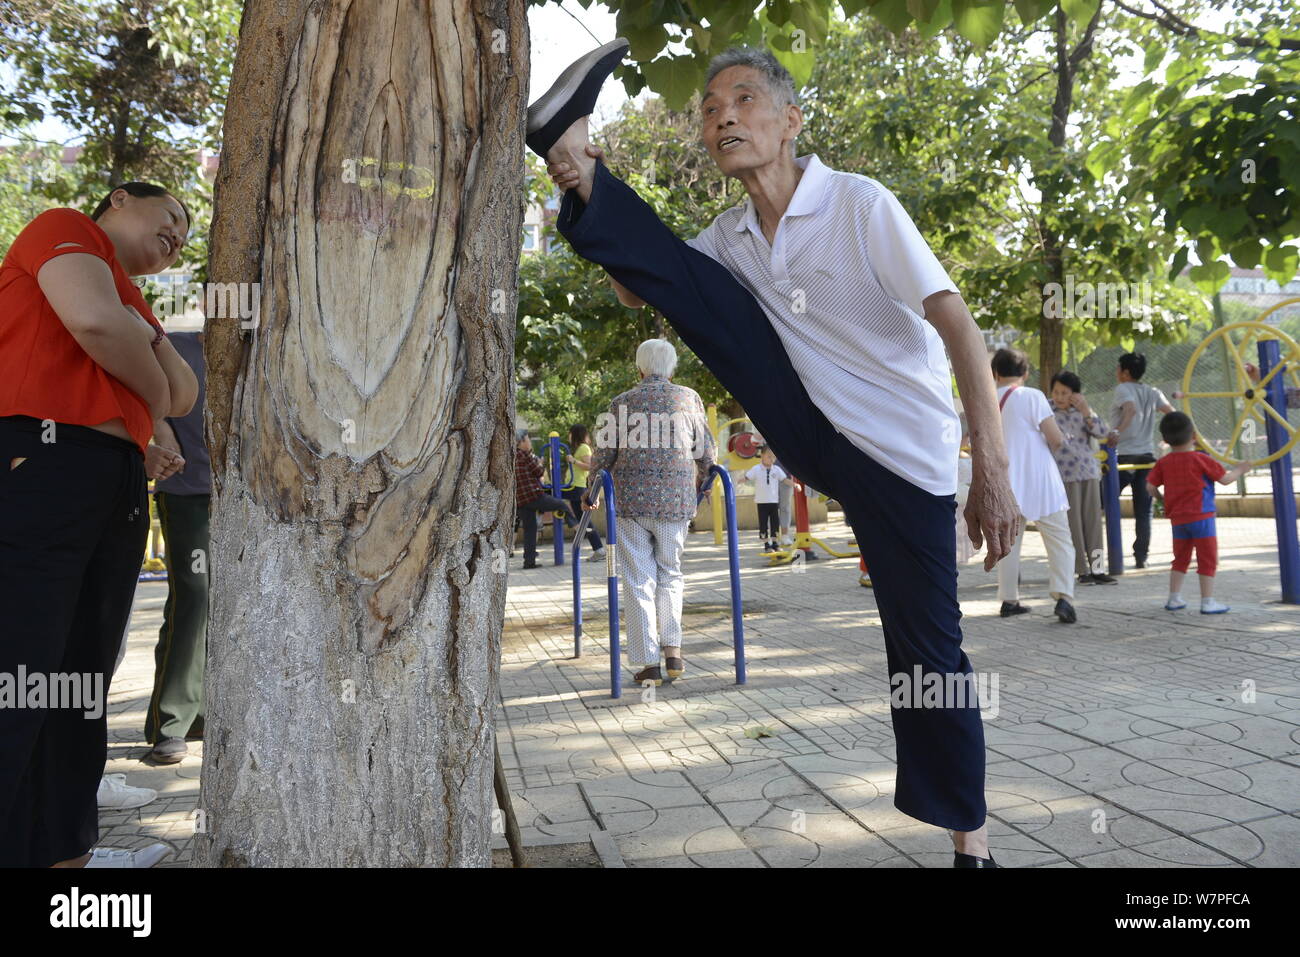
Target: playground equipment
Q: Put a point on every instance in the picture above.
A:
(1257, 412)
(1264, 402)
(735, 453)
(803, 538)
(605, 483)
(557, 487)
(153, 569)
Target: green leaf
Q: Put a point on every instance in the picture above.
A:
(979, 21)
(922, 10)
(1031, 10)
(1178, 263)
(1081, 10)
(1210, 277)
(645, 43)
(1280, 262)
(674, 78)
(1155, 56)
(941, 18)
(852, 8)
(811, 19)
(1102, 158)
(892, 13)
(1246, 254)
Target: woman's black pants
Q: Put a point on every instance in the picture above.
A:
(73, 524)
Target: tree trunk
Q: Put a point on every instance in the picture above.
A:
(1051, 327)
(361, 432)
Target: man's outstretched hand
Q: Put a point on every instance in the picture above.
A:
(571, 162)
(992, 514)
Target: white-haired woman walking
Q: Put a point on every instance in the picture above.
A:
(655, 442)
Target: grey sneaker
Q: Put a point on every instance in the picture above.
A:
(169, 751)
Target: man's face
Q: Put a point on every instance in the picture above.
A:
(742, 126)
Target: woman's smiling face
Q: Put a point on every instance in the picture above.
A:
(148, 232)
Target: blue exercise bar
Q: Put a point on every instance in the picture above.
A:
(1114, 531)
(1284, 511)
(733, 560)
(611, 566)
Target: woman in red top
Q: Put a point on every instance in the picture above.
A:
(85, 371)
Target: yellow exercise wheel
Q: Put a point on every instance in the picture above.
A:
(1246, 392)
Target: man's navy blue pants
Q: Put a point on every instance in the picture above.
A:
(905, 533)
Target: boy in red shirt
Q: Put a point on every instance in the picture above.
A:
(1188, 477)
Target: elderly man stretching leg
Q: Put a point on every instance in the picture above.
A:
(821, 280)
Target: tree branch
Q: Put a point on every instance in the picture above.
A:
(1176, 25)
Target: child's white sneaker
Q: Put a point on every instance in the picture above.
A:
(1175, 603)
(1211, 606)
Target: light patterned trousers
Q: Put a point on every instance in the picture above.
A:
(650, 563)
(1055, 529)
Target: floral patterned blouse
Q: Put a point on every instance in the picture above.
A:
(656, 444)
(1075, 458)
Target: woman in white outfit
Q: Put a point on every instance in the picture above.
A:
(655, 442)
(1032, 435)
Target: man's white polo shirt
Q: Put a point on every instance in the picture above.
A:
(843, 284)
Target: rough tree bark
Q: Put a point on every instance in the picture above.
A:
(361, 433)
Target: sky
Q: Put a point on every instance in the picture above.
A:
(556, 39)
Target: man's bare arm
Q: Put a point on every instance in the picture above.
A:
(991, 509)
(626, 296)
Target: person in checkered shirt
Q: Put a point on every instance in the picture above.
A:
(529, 497)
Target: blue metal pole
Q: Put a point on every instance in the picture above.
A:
(733, 559)
(577, 594)
(1114, 531)
(557, 489)
(611, 578)
(577, 572)
(1284, 511)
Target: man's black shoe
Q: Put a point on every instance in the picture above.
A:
(1065, 611)
(970, 860)
(530, 565)
(1089, 579)
(1100, 579)
(1139, 562)
(572, 96)
(1010, 608)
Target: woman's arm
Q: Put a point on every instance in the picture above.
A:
(81, 291)
(182, 382)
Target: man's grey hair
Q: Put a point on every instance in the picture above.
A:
(656, 357)
(779, 82)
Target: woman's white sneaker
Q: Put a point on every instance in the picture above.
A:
(116, 795)
(1211, 606)
(116, 857)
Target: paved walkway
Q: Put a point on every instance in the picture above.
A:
(1123, 740)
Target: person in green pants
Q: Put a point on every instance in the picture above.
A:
(176, 706)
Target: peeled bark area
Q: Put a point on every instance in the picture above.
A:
(361, 433)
